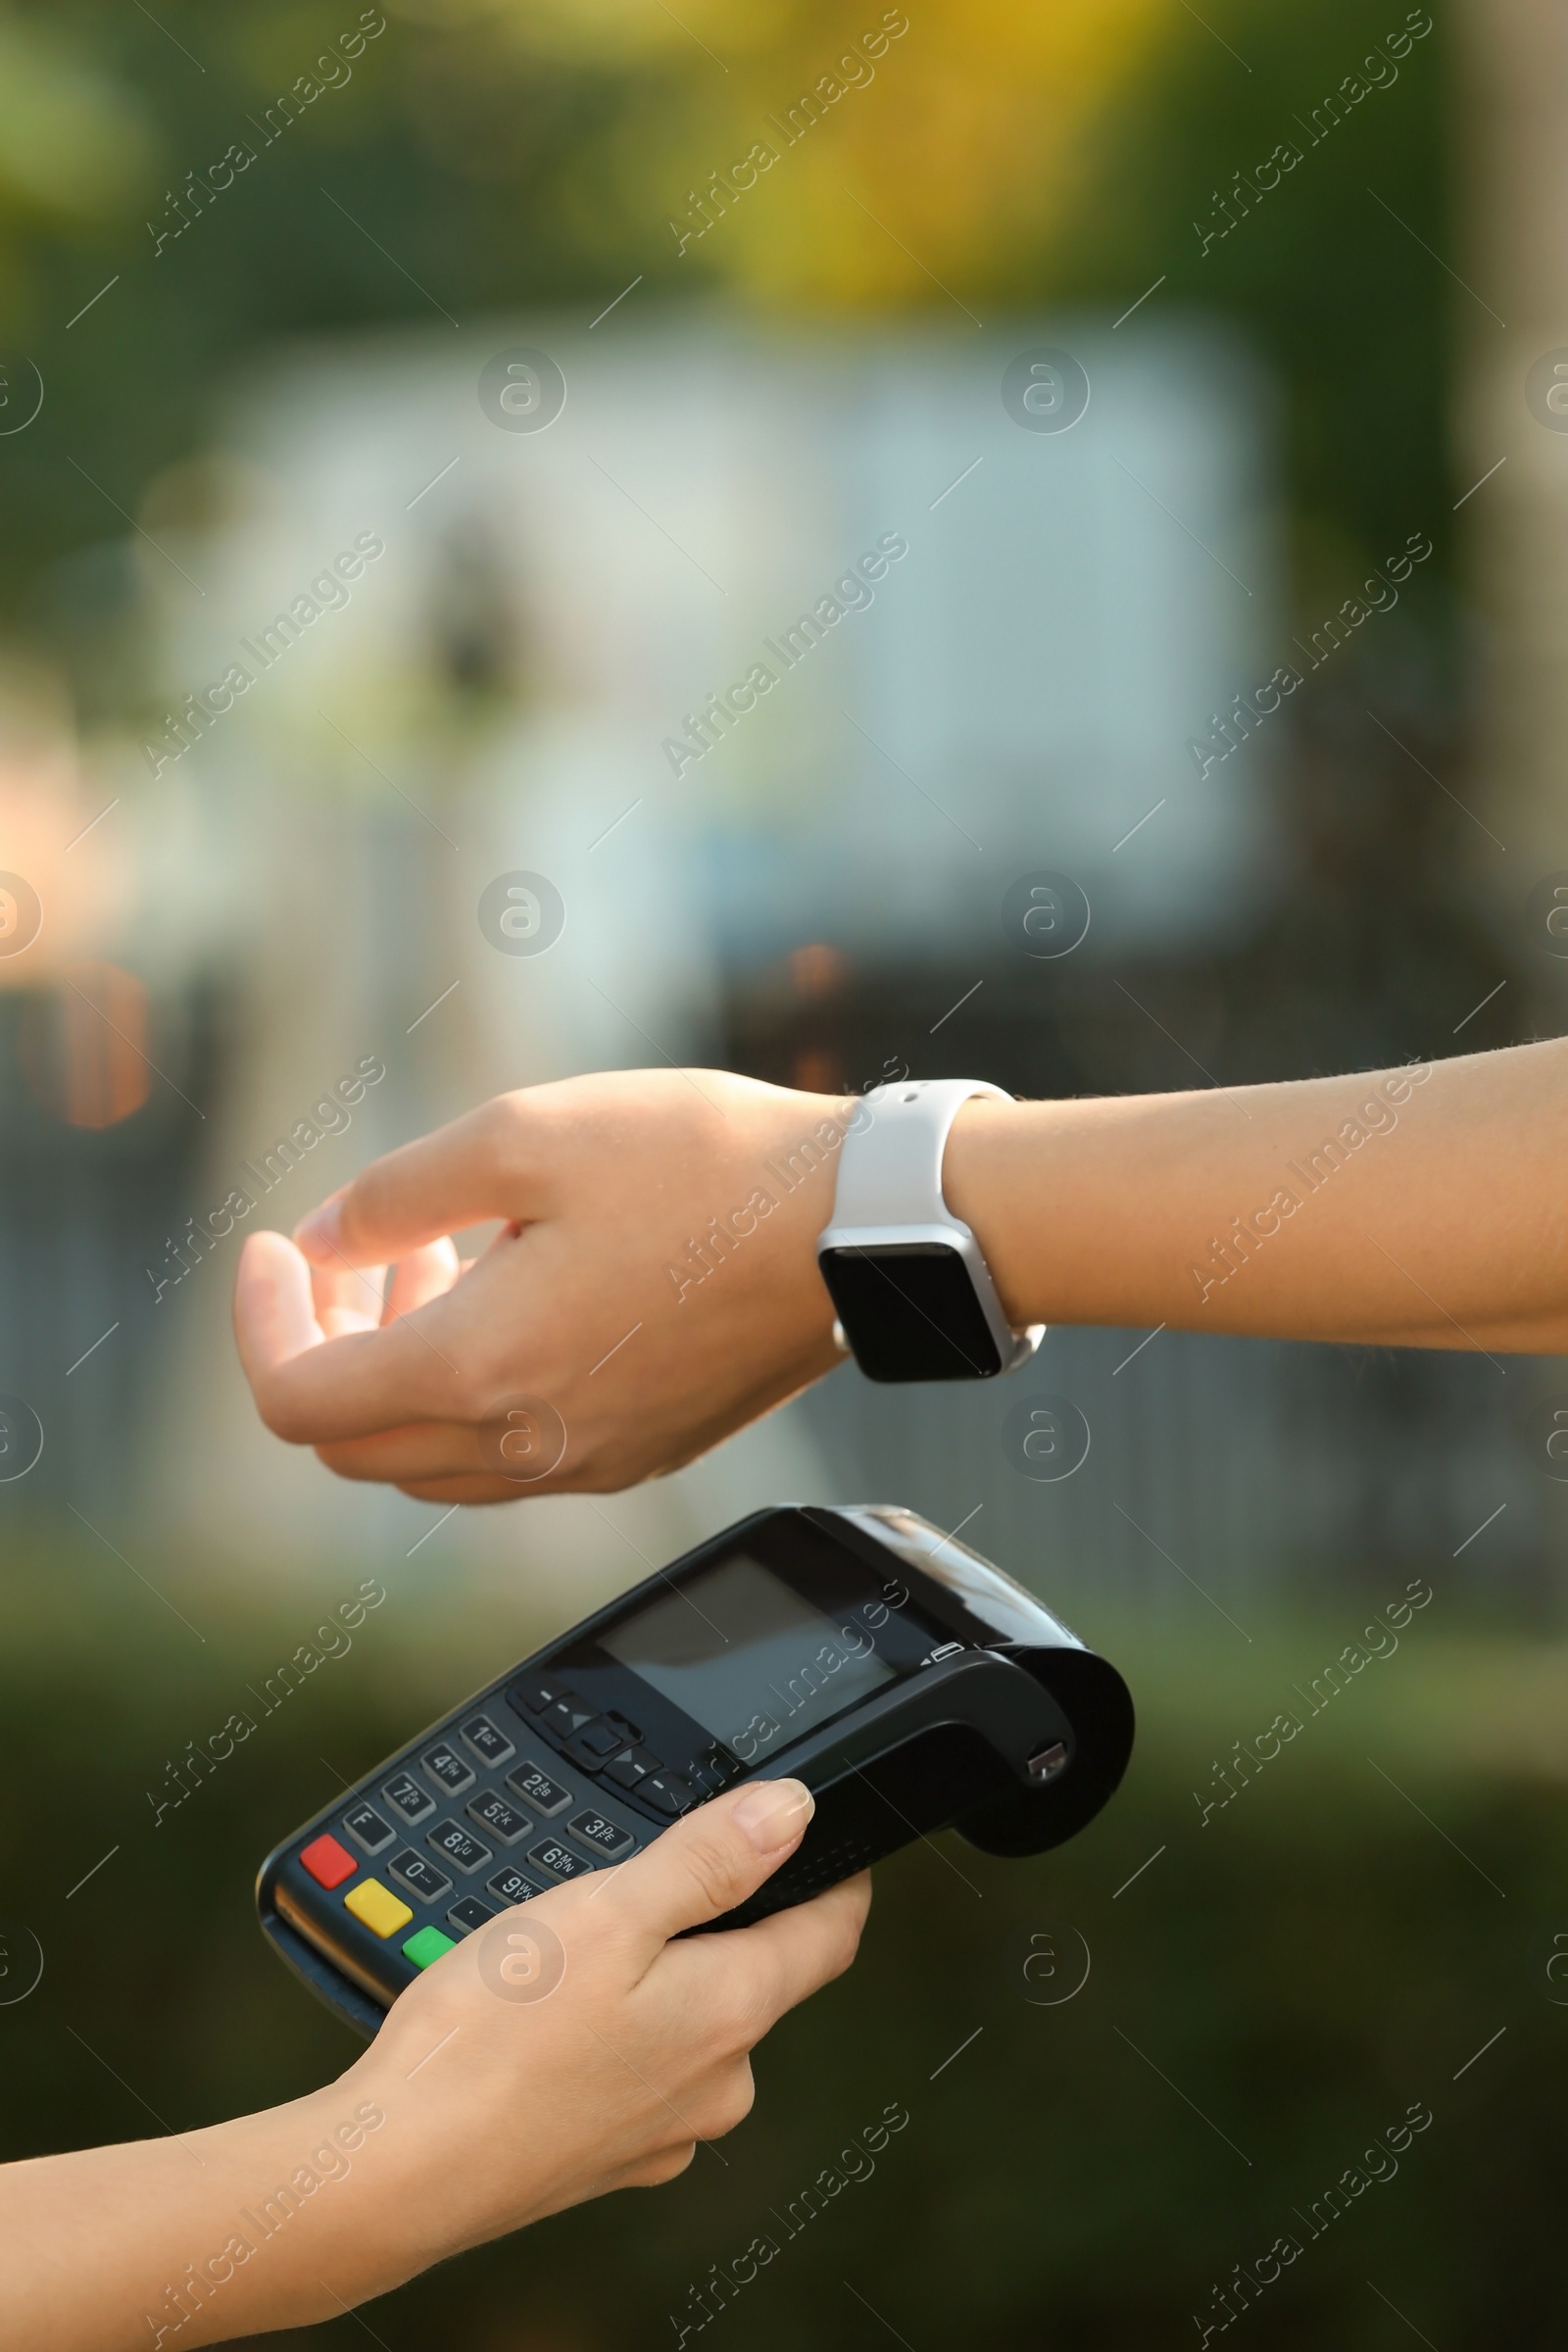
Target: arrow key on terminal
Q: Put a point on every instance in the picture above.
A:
(566, 1717)
(666, 1792)
(598, 1739)
(534, 1693)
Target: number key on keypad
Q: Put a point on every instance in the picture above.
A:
(485, 1740)
(537, 1789)
(368, 1830)
(419, 1876)
(605, 1836)
(560, 1860)
(448, 1769)
(451, 1839)
(406, 1796)
(503, 1820)
(510, 1886)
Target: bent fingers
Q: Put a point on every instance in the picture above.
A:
(313, 1390)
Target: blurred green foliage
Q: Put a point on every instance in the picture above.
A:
(479, 155)
(1361, 324)
(1271, 1992)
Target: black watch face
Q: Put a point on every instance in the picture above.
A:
(909, 1311)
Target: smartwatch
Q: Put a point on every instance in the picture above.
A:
(914, 1296)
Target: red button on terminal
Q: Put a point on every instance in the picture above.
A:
(327, 1862)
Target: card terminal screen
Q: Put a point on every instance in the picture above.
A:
(747, 1659)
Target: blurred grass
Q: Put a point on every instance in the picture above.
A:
(1300, 1969)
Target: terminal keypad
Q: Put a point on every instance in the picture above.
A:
(392, 1897)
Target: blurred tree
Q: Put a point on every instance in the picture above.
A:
(1514, 429)
(1331, 271)
(484, 155)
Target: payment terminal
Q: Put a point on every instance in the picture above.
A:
(912, 1686)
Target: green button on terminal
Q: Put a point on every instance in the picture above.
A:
(427, 1945)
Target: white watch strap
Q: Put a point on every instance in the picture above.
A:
(890, 1167)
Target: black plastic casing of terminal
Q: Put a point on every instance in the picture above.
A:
(998, 1723)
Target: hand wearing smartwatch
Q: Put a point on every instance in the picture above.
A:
(914, 1296)
(655, 1277)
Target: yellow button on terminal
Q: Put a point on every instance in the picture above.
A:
(377, 1906)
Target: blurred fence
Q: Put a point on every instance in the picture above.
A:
(1188, 1475)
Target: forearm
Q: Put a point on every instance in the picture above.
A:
(265, 2222)
(1418, 1207)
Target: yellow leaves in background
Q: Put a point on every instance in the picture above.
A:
(959, 125)
(967, 147)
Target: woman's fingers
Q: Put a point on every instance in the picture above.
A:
(423, 1274)
(350, 1297)
(480, 1166)
(274, 1310)
(433, 1461)
(420, 1449)
(456, 1490)
(706, 1864)
(285, 1306)
(653, 1280)
(759, 1973)
(313, 1390)
(347, 1298)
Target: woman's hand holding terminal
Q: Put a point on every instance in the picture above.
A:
(576, 2044)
